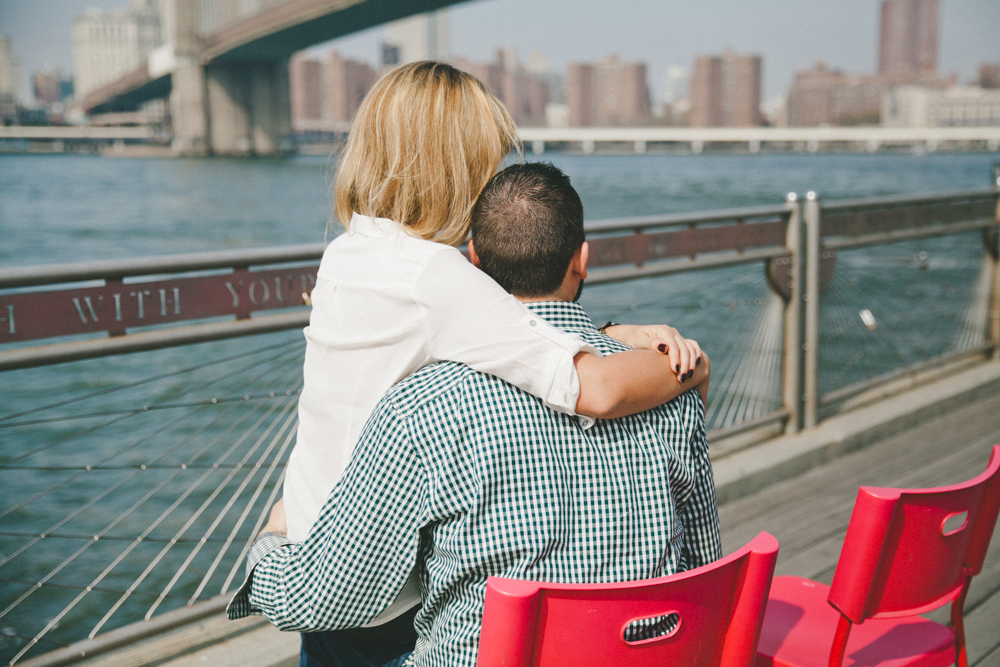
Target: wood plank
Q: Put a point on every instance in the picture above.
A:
(921, 447)
(982, 629)
(809, 514)
(817, 562)
(820, 502)
(991, 660)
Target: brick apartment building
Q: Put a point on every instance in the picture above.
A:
(725, 91)
(608, 93)
(325, 94)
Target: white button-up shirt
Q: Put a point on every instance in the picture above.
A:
(386, 304)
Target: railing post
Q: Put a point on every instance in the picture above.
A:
(810, 345)
(791, 380)
(993, 252)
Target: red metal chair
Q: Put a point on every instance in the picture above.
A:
(715, 612)
(906, 552)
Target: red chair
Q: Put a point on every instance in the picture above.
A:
(906, 552)
(713, 615)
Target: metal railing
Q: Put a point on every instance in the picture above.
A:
(134, 484)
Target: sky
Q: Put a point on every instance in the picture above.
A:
(789, 34)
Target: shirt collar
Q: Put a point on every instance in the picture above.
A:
(377, 228)
(564, 315)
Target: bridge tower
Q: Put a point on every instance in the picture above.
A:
(223, 107)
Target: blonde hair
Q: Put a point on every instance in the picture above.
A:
(424, 143)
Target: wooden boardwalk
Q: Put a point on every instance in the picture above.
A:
(809, 514)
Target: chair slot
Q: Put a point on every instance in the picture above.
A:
(642, 630)
(954, 523)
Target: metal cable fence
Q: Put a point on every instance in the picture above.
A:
(735, 317)
(890, 307)
(128, 497)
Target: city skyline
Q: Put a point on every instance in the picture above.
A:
(789, 35)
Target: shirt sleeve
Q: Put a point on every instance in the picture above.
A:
(358, 555)
(699, 514)
(470, 319)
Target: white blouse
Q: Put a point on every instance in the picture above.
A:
(386, 304)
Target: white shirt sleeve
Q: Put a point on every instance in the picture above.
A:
(470, 319)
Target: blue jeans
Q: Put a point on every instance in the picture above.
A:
(387, 645)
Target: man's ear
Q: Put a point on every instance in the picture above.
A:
(473, 257)
(579, 262)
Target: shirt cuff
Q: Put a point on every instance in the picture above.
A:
(240, 605)
(562, 399)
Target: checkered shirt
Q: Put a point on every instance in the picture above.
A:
(466, 476)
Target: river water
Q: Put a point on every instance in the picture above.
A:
(69, 208)
(66, 208)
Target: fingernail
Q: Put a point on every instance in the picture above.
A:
(677, 368)
(661, 347)
(698, 362)
(684, 378)
(690, 372)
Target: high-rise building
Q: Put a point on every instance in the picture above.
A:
(823, 96)
(908, 36)
(107, 46)
(725, 91)
(580, 95)
(347, 83)
(607, 93)
(706, 92)
(10, 81)
(420, 37)
(525, 92)
(675, 85)
(989, 75)
(326, 94)
(10, 72)
(51, 87)
(306, 88)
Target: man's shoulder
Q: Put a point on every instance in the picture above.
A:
(444, 381)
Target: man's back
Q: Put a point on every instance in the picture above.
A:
(513, 489)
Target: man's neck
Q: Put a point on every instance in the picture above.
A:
(566, 292)
(537, 299)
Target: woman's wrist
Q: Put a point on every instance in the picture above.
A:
(271, 533)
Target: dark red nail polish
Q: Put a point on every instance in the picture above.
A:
(690, 372)
(677, 368)
(684, 378)
(698, 362)
(661, 347)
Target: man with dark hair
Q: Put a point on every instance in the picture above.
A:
(526, 226)
(466, 476)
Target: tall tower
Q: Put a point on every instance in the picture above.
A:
(10, 72)
(420, 37)
(908, 36)
(725, 91)
(109, 45)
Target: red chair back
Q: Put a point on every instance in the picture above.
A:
(910, 551)
(716, 611)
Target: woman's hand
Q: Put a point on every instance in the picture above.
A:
(685, 354)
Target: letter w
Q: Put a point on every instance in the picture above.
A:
(90, 308)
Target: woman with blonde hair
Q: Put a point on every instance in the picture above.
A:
(393, 294)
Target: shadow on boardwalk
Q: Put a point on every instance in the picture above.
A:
(809, 514)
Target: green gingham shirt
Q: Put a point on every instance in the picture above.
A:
(466, 476)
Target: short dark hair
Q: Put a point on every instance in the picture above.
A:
(526, 226)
